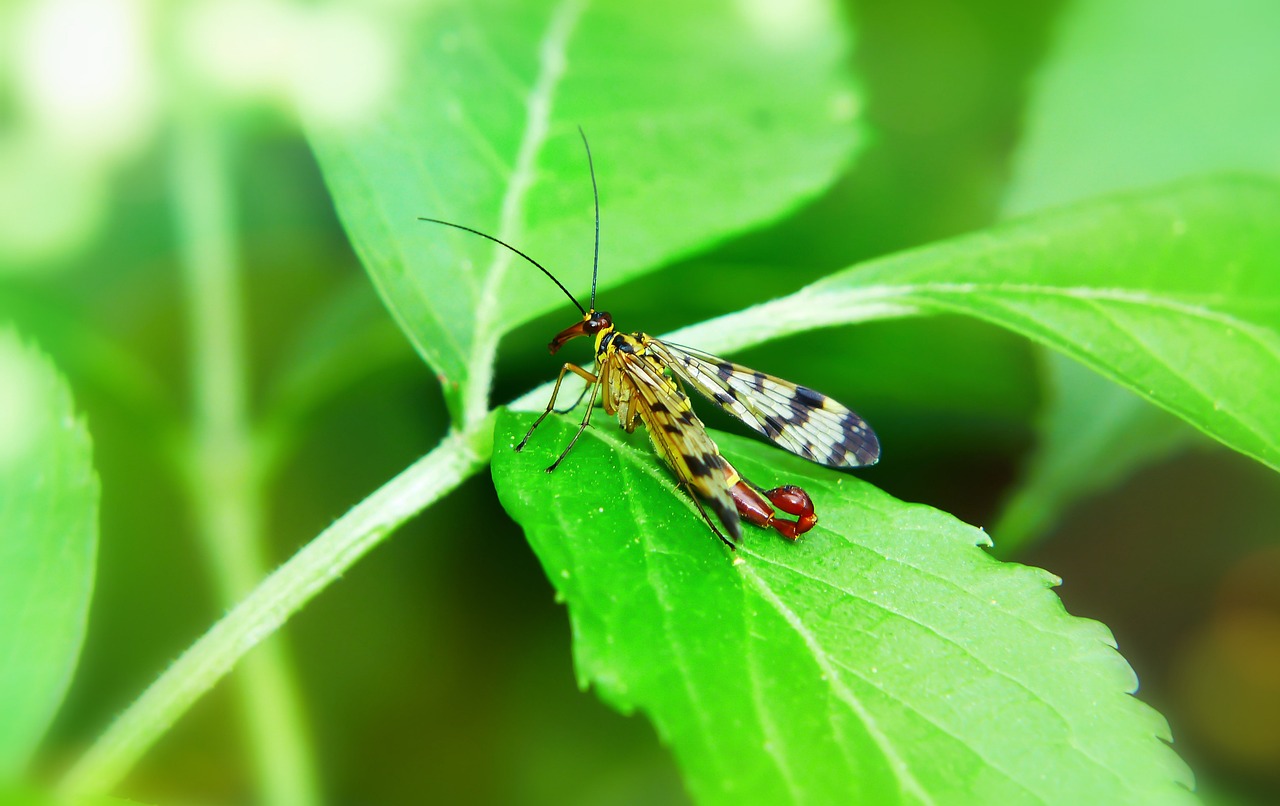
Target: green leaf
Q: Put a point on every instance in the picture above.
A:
(48, 540)
(1134, 92)
(884, 657)
(1172, 293)
(704, 118)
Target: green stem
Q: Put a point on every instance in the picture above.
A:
(280, 595)
(224, 484)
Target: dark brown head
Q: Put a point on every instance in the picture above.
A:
(593, 324)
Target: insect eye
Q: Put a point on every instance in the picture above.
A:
(596, 323)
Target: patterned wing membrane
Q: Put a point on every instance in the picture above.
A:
(681, 439)
(797, 418)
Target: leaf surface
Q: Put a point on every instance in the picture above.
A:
(1134, 92)
(48, 541)
(704, 119)
(1172, 293)
(883, 658)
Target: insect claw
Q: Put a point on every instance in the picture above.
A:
(790, 499)
(793, 501)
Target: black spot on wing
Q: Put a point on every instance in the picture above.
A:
(798, 415)
(856, 449)
(773, 426)
(698, 466)
(808, 397)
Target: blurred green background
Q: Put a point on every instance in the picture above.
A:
(439, 669)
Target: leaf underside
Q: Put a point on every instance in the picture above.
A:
(885, 657)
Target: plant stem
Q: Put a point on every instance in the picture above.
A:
(317, 565)
(224, 484)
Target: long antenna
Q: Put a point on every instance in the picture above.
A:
(595, 263)
(521, 254)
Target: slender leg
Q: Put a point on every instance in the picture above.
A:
(586, 418)
(577, 370)
(714, 529)
(575, 403)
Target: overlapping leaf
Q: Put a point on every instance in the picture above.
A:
(884, 658)
(704, 119)
(1172, 293)
(1133, 93)
(48, 540)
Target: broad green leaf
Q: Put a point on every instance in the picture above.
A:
(704, 119)
(883, 658)
(48, 540)
(1134, 92)
(1173, 293)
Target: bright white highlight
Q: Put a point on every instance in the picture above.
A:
(785, 23)
(21, 403)
(342, 67)
(84, 74)
(330, 65)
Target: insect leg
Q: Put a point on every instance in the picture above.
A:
(576, 401)
(577, 370)
(586, 418)
(703, 511)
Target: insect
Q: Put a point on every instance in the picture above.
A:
(641, 380)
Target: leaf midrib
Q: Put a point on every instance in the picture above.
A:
(552, 65)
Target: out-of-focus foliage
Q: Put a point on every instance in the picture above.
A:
(48, 538)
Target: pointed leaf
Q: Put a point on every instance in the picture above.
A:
(704, 119)
(48, 540)
(1198, 79)
(883, 658)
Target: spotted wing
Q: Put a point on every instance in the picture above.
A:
(680, 437)
(797, 418)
